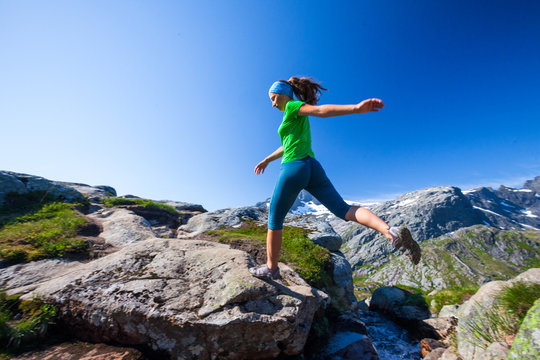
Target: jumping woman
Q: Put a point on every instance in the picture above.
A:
(300, 170)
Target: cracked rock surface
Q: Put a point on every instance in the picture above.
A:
(189, 298)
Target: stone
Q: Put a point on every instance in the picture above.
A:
(435, 354)
(449, 354)
(10, 184)
(443, 326)
(121, 226)
(35, 272)
(428, 345)
(187, 298)
(526, 345)
(343, 293)
(57, 190)
(448, 310)
(495, 351)
(82, 351)
(360, 349)
(233, 217)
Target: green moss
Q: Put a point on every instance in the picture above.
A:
(311, 261)
(34, 230)
(148, 204)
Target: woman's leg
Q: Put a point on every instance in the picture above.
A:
(321, 187)
(293, 177)
(273, 246)
(365, 217)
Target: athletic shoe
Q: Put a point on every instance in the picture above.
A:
(263, 271)
(403, 241)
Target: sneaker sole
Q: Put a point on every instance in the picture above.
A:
(409, 246)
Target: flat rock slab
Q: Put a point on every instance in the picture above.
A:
(121, 226)
(83, 351)
(189, 298)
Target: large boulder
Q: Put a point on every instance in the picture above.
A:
(526, 345)
(37, 183)
(188, 298)
(474, 310)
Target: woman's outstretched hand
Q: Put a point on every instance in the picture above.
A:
(369, 105)
(259, 169)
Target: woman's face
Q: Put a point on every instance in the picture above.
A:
(279, 100)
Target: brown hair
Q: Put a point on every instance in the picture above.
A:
(306, 89)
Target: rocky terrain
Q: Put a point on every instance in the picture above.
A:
(158, 281)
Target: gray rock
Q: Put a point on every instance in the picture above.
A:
(495, 351)
(343, 293)
(10, 184)
(232, 217)
(435, 354)
(326, 237)
(533, 185)
(188, 298)
(55, 189)
(526, 345)
(448, 311)
(183, 206)
(473, 311)
(94, 193)
(449, 354)
(360, 349)
(393, 301)
(121, 226)
(35, 272)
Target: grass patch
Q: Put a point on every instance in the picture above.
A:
(519, 297)
(311, 261)
(148, 204)
(22, 323)
(34, 227)
(450, 296)
(505, 316)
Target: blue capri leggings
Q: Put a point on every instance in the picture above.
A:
(296, 175)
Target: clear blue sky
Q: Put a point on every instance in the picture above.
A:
(168, 99)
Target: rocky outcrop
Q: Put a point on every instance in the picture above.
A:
(526, 345)
(427, 213)
(11, 182)
(469, 256)
(188, 298)
(233, 217)
(474, 311)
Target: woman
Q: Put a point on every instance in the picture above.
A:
(300, 170)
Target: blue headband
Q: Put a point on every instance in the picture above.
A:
(280, 87)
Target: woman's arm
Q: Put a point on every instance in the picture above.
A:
(337, 110)
(259, 169)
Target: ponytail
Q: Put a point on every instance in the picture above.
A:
(306, 89)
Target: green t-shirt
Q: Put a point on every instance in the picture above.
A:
(295, 133)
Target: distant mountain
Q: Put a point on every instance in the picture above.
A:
(468, 256)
